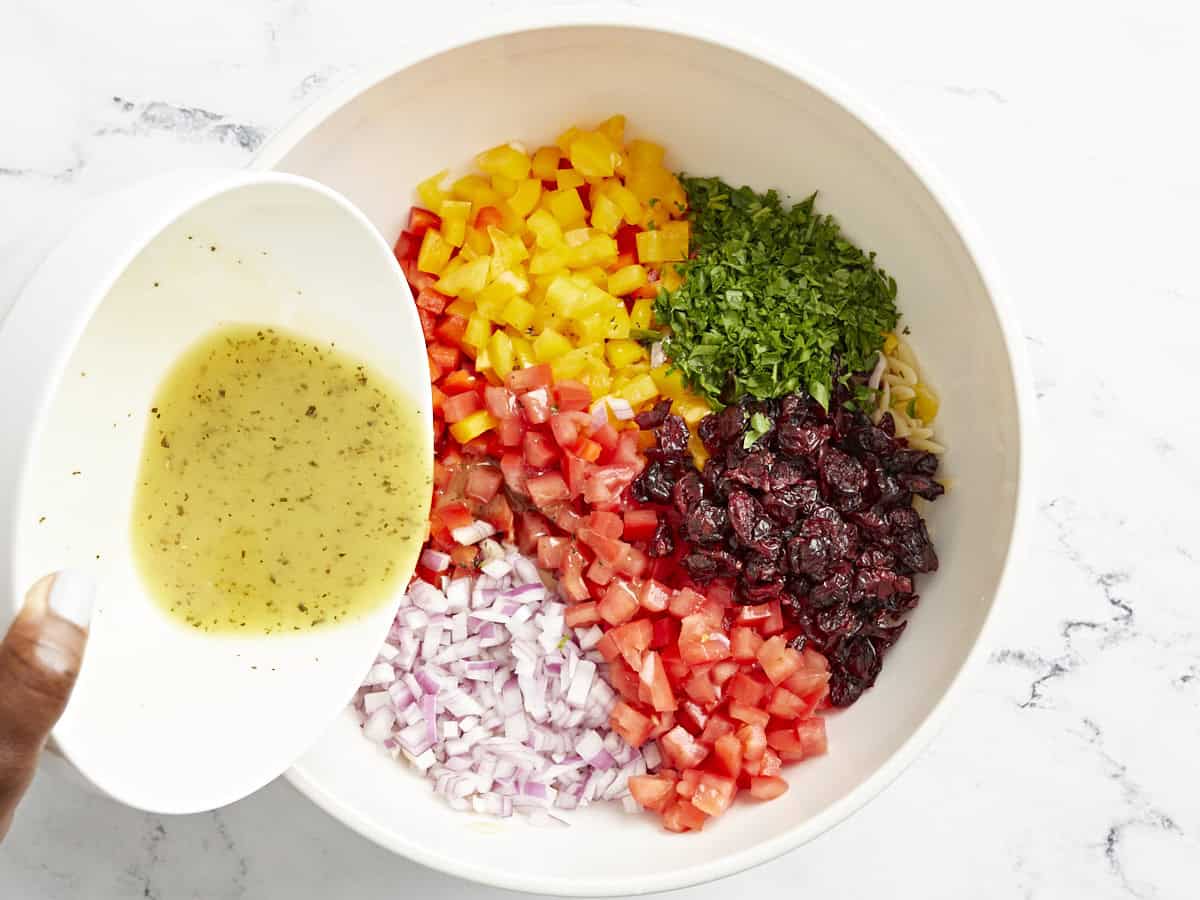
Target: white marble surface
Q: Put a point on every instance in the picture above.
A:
(1070, 130)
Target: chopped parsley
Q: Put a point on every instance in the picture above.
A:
(759, 425)
(774, 300)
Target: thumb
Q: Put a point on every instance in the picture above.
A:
(39, 661)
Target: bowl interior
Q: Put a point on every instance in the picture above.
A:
(164, 717)
(721, 112)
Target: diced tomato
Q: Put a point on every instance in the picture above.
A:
(529, 378)
(714, 794)
(749, 714)
(458, 382)
(551, 551)
(439, 397)
(663, 722)
(746, 689)
(654, 678)
(700, 641)
(665, 633)
(407, 246)
(488, 215)
(606, 436)
(718, 726)
(630, 724)
(464, 557)
(787, 743)
(607, 548)
(625, 681)
(619, 604)
(692, 716)
(608, 648)
(686, 602)
(699, 685)
(451, 330)
(421, 220)
(773, 624)
(429, 323)
(499, 401)
(580, 615)
(569, 428)
(483, 482)
(653, 595)
(754, 741)
(460, 406)
(786, 705)
(511, 432)
(539, 452)
(607, 523)
(771, 763)
(652, 792)
(606, 483)
(499, 514)
(767, 787)
(744, 643)
(681, 816)
(632, 562)
(567, 519)
(640, 524)
(536, 404)
(441, 475)
(599, 573)
(512, 466)
(724, 670)
(627, 452)
(811, 733)
(571, 575)
(446, 357)
(631, 640)
(454, 514)
(572, 395)
(588, 450)
(689, 780)
(681, 749)
(778, 660)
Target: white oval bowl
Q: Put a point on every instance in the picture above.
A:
(748, 115)
(163, 717)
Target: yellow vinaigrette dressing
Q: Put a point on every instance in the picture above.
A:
(282, 485)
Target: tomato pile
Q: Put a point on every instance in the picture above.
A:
(536, 383)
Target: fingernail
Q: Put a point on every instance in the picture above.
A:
(73, 595)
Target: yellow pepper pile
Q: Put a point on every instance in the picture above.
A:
(539, 276)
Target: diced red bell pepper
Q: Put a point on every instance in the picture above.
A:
(572, 395)
(421, 220)
(640, 524)
(529, 378)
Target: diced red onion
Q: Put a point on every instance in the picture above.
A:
(658, 355)
(621, 408)
(435, 560)
(473, 533)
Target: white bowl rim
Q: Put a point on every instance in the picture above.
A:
(735, 38)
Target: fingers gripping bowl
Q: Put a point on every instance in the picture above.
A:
(725, 112)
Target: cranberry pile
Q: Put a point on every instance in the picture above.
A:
(804, 506)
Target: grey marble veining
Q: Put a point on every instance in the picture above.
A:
(1069, 769)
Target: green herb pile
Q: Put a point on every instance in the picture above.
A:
(775, 300)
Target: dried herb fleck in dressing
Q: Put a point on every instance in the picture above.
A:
(282, 485)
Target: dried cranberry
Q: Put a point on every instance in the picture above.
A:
(910, 540)
(731, 425)
(706, 523)
(707, 563)
(652, 418)
(915, 462)
(754, 471)
(662, 543)
(834, 590)
(785, 473)
(921, 485)
(841, 472)
(688, 491)
(751, 524)
(710, 433)
(795, 439)
(673, 435)
(653, 484)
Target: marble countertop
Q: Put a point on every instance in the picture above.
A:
(1069, 129)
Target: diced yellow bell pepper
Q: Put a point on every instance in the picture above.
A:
(525, 199)
(564, 140)
(479, 331)
(618, 323)
(591, 329)
(500, 353)
(467, 279)
(699, 451)
(478, 242)
(594, 154)
(430, 191)
(614, 129)
(455, 215)
(477, 189)
(567, 208)
(569, 179)
(508, 251)
(550, 345)
(504, 186)
(627, 280)
(477, 423)
(547, 261)
(691, 408)
(668, 243)
(518, 313)
(606, 214)
(577, 237)
(623, 353)
(631, 207)
(545, 163)
(890, 343)
(644, 154)
(569, 365)
(482, 362)
(598, 250)
(493, 298)
(504, 160)
(522, 349)
(595, 274)
(546, 229)
(434, 253)
(927, 403)
(671, 279)
(641, 390)
(669, 382)
(595, 299)
(460, 307)
(642, 315)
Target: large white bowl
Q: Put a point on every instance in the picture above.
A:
(750, 115)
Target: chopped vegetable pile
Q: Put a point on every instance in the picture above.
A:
(624, 594)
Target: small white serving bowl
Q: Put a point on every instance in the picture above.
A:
(749, 113)
(166, 718)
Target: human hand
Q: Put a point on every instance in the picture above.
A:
(39, 661)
